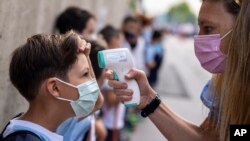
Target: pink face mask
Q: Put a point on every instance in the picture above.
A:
(207, 50)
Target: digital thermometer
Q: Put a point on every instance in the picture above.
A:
(120, 61)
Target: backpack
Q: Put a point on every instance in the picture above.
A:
(22, 135)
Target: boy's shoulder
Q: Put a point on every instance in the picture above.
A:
(24, 130)
(21, 136)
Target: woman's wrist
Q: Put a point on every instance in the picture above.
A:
(152, 94)
(151, 105)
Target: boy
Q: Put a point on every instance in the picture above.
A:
(54, 74)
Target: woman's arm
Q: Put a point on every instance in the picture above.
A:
(170, 125)
(175, 128)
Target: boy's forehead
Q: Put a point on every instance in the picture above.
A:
(80, 64)
(82, 60)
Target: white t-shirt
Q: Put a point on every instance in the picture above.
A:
(113, 117)
(43, 133)
(92, 129)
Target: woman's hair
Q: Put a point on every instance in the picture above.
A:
(73, 18)
(226, 94)
(41, 57)
(235, 82)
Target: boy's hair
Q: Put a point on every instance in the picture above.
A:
(108, 32)
(95, 47)
(73, 18)
(41, 57)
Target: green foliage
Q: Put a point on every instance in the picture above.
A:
(181, 13)
(133, 4)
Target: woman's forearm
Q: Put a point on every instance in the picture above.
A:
(173, 127)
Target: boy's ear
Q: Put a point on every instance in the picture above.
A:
(52, 87)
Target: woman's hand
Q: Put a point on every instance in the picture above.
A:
(85, 47)
(124, 94)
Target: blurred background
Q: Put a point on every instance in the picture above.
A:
(176, 74)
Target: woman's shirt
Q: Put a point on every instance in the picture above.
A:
(208, 98)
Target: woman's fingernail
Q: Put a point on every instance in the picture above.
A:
(127, 75)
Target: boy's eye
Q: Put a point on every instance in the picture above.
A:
(85, 74)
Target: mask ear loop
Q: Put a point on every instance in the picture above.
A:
(68, 85)
(60, 98)
(226, 34)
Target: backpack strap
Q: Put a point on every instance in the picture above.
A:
(22, 135)
(1, 135)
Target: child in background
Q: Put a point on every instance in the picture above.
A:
(113, 110)
(154, 56)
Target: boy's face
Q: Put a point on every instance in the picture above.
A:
(79, 73)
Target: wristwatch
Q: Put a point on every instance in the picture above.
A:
(150, 108)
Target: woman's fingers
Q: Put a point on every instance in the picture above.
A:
(117, 84)
(124, 98)
(87, 49)
(123, 94)
(109, 75)
(82, 46)
(135, 74)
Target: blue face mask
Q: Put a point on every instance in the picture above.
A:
(88, 95)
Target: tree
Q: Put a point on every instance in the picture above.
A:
(181, 13)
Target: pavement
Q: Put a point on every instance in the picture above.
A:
(181, 80)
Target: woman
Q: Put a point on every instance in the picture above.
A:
(227, 90)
